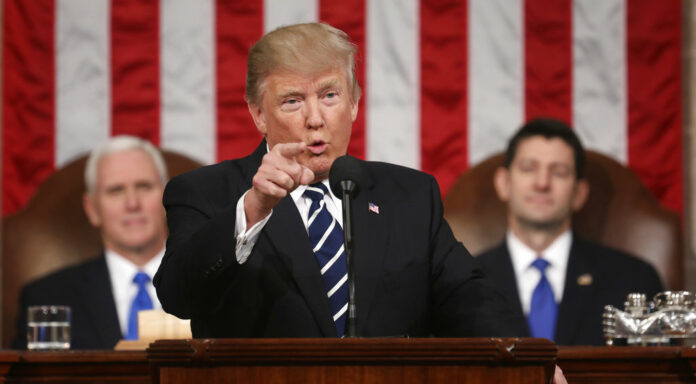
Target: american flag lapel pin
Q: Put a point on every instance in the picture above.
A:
(372, 207)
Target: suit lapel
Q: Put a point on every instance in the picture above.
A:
(370, 245)
(99, 303)
(506, 280)
(286, 229)
(576, 297)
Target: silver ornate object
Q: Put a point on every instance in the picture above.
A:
(670, 318)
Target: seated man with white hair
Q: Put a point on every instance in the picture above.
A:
(125, 180)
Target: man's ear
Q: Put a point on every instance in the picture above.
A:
(259, 118)
(91, 210)
(580, 195)
(354, 109)
(501, 182)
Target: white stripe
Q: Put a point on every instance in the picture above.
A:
(599, 76)
(315, 214)
(325, 236)
(83, 75)
(338, 285)
(496, 79)
(315, 189)
(333, 260)
(187, 78)
(393, 82)
(284, 12)
(341, 312)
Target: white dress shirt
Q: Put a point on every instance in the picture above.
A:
(528, 276)
(121, 273)
(247, 239)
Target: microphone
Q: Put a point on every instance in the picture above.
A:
(345, 178)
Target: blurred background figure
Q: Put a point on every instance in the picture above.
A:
(559, 281)
(124, 181)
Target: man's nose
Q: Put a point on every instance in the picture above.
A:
(313, 113)
(132, 200)
(542, 179)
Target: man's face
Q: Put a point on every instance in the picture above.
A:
(126, 204)
(315, 109)
(540, 186)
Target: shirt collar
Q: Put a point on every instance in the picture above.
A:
(125, 267)
(298, 193)
(556, 253)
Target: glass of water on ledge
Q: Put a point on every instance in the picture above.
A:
(48, 327)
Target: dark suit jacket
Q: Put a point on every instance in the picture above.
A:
(412, 277)
(86, 289)
(613, 275)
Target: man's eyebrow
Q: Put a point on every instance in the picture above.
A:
(330, 83)
(288, 93)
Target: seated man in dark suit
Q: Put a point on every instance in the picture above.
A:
(124, 180)
(256, 245)
(559, 281)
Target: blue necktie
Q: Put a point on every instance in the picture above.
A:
(141, 302)
(326, 236)
(544, 310)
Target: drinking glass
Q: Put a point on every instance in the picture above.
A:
(48, 327)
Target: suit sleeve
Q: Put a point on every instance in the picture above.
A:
(200, 258)
(20, 337)
(465, 302)
(652, 284)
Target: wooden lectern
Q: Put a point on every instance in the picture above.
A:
(392, 360)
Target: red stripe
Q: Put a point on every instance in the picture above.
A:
(444, 95)
(349, 16)
(548, 59)
(653, 54)
(135, 68)
(239, 24)
(28, 99)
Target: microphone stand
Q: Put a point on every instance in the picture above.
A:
(348, 187)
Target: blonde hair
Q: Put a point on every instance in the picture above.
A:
(302, 48)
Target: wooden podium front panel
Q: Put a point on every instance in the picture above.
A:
(407, 374)
(79, 367)
(353, 361)
(599, 365)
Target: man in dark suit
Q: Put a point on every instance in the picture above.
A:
(125, 179)
(542, 184)
(241, 259)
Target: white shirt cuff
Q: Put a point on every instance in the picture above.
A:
(246, 239)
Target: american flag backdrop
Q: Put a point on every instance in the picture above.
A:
(445, 82)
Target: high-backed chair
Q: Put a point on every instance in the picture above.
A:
(52, 232)
(620, 212)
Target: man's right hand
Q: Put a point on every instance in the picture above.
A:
(278, 175)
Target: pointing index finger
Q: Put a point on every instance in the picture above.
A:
(290, 150)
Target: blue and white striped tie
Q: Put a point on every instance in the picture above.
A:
(326, 236)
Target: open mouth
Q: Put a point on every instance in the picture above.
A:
(317, 147)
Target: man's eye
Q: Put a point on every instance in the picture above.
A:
(561, 172)
(290, 104)
(331, 95)
(114, 191)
